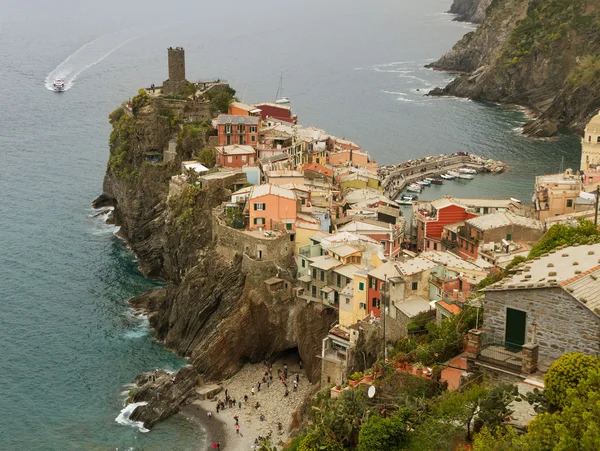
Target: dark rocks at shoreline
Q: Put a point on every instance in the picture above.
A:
(165, 394)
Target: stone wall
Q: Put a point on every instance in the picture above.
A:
(279, 249)
(562, 323)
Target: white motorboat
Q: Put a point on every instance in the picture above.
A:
(447, 177)
(424, 182)
(466, 176)
(467, 171)
(453, 174)
(405, 202)
(517, 201)
(414, 188)
(58, 85)
(408, 196)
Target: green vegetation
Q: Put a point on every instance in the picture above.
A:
(221, 99)
(116, 115)
(384, 434)
(546, 23)
(441, 342)
(562, 235)
(573, 427)
(565, 374)
(586, 72)
(140, 101)
(182, 206)
(120, 145)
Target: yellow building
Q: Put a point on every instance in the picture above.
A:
(555, 194)
(590, 145)
(356, 308)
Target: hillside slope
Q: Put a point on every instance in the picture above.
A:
(542, 54)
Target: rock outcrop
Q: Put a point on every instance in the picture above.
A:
(544, 55)
(470, 10)
(217, 312)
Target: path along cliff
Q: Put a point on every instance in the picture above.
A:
(541, 54)
(216, 310)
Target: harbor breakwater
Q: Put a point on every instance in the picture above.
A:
(396, 177)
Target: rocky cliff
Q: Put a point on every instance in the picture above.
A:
(217, 311)
(542, 54)
(470, 10)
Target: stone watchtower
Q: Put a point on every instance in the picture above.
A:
(590, 145)
(176, 79)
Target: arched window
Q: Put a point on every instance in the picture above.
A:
(598, 139)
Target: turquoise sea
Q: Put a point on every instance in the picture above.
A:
(70, 345)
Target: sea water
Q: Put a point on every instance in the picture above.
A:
(70, 344)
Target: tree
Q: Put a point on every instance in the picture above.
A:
(566, 373)
(383, 434)
(501, 439)
(493, 410)
(312, 442)
(221, 99)
(207, 157)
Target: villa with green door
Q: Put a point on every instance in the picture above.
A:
(551, 303)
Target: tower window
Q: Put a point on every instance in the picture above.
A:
(598, 139)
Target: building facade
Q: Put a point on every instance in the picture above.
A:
(241, 130)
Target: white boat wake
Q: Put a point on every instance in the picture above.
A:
(89, 55)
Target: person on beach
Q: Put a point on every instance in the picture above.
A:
(252, 390)
(295, 386)
(245, 398)
(297, 378)
(240, 404)
(209, 414)
(287, 392)
(258, 386)
(237, 420)
(257, 406)
(218, 446)
(218, 406)
(237, 429)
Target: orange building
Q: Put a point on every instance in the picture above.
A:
(241, 130)
(272, 208)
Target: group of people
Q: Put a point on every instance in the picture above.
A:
(230, 402)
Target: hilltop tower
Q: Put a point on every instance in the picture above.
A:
(176, 79)
(590, 145)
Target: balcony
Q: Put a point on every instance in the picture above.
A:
(437, 281)
(502, 354)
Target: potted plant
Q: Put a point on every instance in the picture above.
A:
(419, 368)
(409, 367)
(368, 377)
(355, 378)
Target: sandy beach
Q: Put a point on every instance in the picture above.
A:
(275, 407)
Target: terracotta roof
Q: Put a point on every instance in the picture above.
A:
(452, 308)
(316, 167)
(234, 119)
(263, 190)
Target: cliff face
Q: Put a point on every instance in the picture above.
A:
(470, 10)
(544, 55)
(217, 312)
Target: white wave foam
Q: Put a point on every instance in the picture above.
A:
(123, 417)
(394, 92)
(85, 57)
(142, 329)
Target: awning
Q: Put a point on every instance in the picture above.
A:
(305, 278)
(327, 289)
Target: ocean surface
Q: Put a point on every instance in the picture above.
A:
(70, 345)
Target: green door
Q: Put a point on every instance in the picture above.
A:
(516, 321)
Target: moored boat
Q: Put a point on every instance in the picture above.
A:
(424, 182)
(408, 196)
(413, 187)
(453, 174)
(436, 181)
(405, 202)
(467, 171)
(447, 177)
(466, 176)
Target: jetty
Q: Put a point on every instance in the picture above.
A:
(396, 177)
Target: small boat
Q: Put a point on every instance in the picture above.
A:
(58, 85)
(413, 187)
(466, 176)
(405, 202)
(408, 196)
(517, 201)
(453, 174)
(424, 182)
(467, 171)
(436, 181)
(447, 177)
(280, 99)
